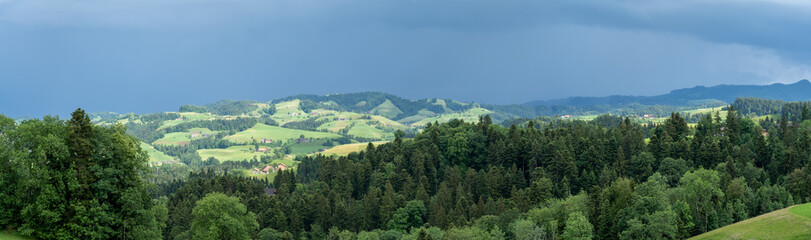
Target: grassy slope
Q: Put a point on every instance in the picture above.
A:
(422, 114)
(181, 138)
(233, 153)
(276, 133)
(387, 109)
(188, 117)
(362, 129)
(8, 236)
(155, 155)
(788, 223)
(471, 115)
(305, 148)
(348, 148)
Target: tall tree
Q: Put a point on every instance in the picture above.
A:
(218, 216)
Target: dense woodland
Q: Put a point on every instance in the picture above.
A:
(457, 180)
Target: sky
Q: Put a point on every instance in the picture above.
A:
(154, 55)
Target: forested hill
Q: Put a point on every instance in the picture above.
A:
(799, 91)
(574, 179)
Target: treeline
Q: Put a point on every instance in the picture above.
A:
(310, 124)
(228, 125)
(504, 112)
(223, 107)
(149, 131)
(792, 110)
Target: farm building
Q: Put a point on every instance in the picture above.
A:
(265, 140)
(267, 169)
(281, 167)
(255, 171)
(262, 150)
(302, 140)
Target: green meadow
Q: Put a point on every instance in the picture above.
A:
(792, 223)
(155, 155)
(233, 153)
(182, 138)
(471, 115)
(276, 133)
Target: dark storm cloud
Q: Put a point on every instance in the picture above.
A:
(150, 55)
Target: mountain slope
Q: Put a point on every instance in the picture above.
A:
(799, 91)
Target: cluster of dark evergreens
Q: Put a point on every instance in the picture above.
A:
(223, 107)
(762, 107)
(310, 124)
(630, 109)
(73, 180)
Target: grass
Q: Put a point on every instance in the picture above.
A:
(471, 115)
(802, 210)
(182, 138)
(364, 130)
(187, 117)
(421, 114)
(233, 153)
(305, 148)
(155, 155)
(9, 236)
(387, 109)
(787, 223)
(345, 149)
(276, 133)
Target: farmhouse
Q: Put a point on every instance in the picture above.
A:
(270, 191)
(262, 150)
(647, 116)
(265, 140)
(267, 169)
(255, 171)
(566, 116)
(281, 167)
(302, 140)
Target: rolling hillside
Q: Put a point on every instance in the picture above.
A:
(789, 223)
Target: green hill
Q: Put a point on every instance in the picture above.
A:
(789, 223)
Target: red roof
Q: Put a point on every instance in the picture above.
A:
(266, 169)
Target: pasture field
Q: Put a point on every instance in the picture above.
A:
(305, 148)
(276, 133)
(361, 129)
(345, 149)
(802, 210)
(334, 126)
(187, 117)
(183, 138)
(788, 223)
(471, 115)
(387, 109)
(421, 114)
(233, 153)
(155, 155)
(9, 236)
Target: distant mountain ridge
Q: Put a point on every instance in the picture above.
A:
(799, 91)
